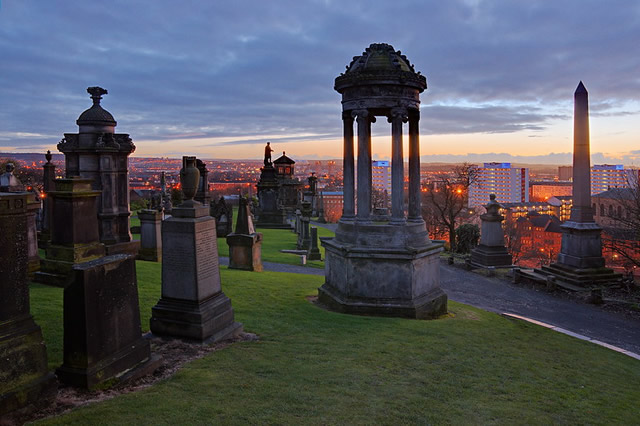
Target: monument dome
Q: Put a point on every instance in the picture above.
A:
(96, 115)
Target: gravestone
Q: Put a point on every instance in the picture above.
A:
(103, 342)
(74, 231)
(271, 213)
(192, 305)
(491, 252)
(202, 195)
(245, 244)
(304, 237)
(313, 253)
(150, 235)
(24, 376)
(223, 214)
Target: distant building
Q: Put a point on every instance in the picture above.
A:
(610, 207)
(513, 211)
(332, 205)
(381, 176)
(542, 191)
(509, 184)
(608, 176)
(561, 206)
(565, 173)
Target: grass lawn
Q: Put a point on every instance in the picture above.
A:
(319, 367)
(274, 240)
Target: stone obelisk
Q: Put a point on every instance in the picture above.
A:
(580, 260)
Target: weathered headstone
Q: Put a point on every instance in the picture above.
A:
(304, 237)
(245, 244)
(491, 251)
(271, 213)
(223, 214)
(202, 195)
(150, 235)
(313, 253)
(192, 304)
(74, 231)
(24, 376)
(103, 341)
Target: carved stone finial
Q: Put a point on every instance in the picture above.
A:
(48, 156)
(96, 93)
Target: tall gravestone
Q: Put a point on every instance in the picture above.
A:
(313, 252)
(491, 251)
(96, 152)
(103, 342)
(24, 376)
(245, 244)
(48, 175)
(223, 214)
(389, 268)
(192, 304)
(271, 213)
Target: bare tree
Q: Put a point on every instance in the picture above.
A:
(622, 228)
(446, 200)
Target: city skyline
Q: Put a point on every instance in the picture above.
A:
(220, 80)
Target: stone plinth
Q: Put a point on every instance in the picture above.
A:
(102, 333)
(491, 251)
(150, 235)
(384, 270)
(49, 174)
(74, 231)
(25, 379)
(193, 305)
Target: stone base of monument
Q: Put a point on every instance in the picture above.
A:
(193, 305)
(103, 340)
(376, 278)
(484, 256)
(581, 277)
(211, 319)
(56, 268)
(25, 381)
(245, 251)
(128, 247)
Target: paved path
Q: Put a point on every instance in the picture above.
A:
(495, 295)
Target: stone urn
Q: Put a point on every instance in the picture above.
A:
(189, 177)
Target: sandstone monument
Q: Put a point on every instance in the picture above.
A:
(96, 152)
(192, 304)
(245, 244)
(391, 268)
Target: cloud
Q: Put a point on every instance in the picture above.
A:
(242, 70)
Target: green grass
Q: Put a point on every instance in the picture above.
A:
(319, 367)
(274, 240)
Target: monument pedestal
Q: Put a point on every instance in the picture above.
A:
(271, 214)
(102, 332)
(193, 305)
(386, 273)
(491, 252)
(496, 256)
(25, 379)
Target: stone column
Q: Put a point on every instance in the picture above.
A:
(349, 207)
(24, 376)
(49, 174)
(415, 207)
(397, 117)
(364, 119)
(581, 211)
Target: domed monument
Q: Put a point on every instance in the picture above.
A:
(389, 268)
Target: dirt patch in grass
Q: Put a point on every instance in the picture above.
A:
(174, 353)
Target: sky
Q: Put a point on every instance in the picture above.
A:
(218, 79)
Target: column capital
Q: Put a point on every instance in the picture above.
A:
(398, 113)
(363, 114)
(347, 115)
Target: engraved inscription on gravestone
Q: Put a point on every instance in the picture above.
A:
(177, 269)
(207, 259)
